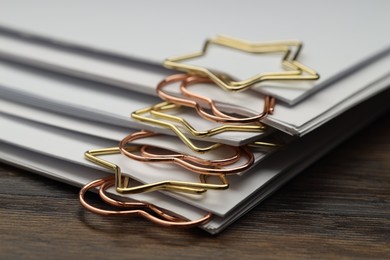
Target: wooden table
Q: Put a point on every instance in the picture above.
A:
(339, 207)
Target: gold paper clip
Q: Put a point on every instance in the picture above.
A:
(185, 162)
(110, 181)
(156, 112)
(261, 144)
(293, 70)
(122, 182)
(163, 219)
(276, 141)
(217, 116)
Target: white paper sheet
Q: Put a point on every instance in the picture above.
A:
(331, 31)
(129, 75)
(115, 133)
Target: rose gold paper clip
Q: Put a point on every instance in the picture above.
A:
(193, 101)
(184, 161)
(163, 218)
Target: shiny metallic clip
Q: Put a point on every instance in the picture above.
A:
(156, 111)
(194, 100)
(197, 165)
(148, 211)
(293, 70)
(122, 182)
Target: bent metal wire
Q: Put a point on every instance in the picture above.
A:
(217, 116)
(147, 154)
(292, 68)
(162, 218)
(181, 160)
(150, 152)
(155, 111)
(122, 182)
(110, 181)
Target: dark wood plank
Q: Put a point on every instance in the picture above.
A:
(339, 207)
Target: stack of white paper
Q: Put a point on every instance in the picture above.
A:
(69, 85)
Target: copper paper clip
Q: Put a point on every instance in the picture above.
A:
(208, 168)
(148, 151)
(217, 115)
(162, 218)
(122, 182)
(292, 69)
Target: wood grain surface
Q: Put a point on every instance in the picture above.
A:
(337, 208)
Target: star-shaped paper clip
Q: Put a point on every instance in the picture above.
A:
(157, 112)
(292, 68)
(122, 182)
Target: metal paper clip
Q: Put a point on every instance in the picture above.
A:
(293, 70)
(110, 181)
(166, 220)
(181, 160)
(146, 152)
(260, 144)
(276, 141)
(156, 112)
(122, 182)
(217, 116)
(140, 116)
